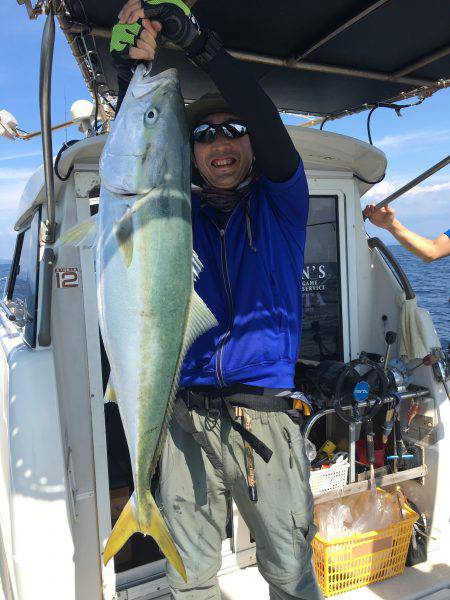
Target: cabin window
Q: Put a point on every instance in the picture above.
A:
(22, 287)
(322, 323)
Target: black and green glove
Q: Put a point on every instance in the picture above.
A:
(178, 23)
(124, 37)
(178, 26)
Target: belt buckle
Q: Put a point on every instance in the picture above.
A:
(212, 412)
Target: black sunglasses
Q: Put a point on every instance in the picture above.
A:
(207, 132)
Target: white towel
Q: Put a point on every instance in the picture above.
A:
(416, 331)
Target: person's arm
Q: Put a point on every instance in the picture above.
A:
(427, 250)
(275, 153)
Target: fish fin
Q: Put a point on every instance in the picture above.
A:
(127, 524)
(200, 319)
(110, 393)
(124, 235)
(197, 265)
(83, 234)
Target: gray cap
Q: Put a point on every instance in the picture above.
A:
(206, 105)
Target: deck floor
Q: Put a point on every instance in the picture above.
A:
(429, 581)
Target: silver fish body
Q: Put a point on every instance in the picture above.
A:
(144, 258)
(149, 313)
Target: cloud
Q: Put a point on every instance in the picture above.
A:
(10, 195)
(12, 184)
(424, 137)
(7, 233)
(15, 174)
(380, 190)
(21, 155)
(426, 189)
(387, 187)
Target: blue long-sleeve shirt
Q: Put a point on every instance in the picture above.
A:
(255, 294)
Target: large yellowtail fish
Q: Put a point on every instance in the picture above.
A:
(149, 312)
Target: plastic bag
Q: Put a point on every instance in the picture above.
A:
(310, 449)
(359, 513)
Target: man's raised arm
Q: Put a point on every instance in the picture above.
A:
(275, 154)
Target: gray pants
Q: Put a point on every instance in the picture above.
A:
(193, 496)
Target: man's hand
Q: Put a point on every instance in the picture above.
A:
(134, 40)
(381, 217)
(178, 23)
(131, 12)
(146, 44)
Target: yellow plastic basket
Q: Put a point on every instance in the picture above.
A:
(348, 563)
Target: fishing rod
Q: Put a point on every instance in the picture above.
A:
(437, 167)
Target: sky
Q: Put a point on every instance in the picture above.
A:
(412, 143)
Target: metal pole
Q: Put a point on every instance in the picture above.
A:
(437, 167)
(33, 134)
(426, 60)
(332, 69)
(282, 62)
(45, 80)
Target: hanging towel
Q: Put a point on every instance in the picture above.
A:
(416, 331)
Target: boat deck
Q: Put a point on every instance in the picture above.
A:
(428, 581)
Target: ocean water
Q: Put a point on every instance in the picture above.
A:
(431, 283)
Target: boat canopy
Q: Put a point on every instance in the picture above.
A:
(327, 58)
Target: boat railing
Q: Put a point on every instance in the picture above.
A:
(393, 263)
(44, 336)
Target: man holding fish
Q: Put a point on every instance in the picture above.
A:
(249, 228)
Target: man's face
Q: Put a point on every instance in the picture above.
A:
(224, 162)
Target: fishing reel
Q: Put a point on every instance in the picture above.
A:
(364, 401)
(364, 395)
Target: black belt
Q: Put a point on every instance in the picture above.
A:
(214, 399)
(264, 402)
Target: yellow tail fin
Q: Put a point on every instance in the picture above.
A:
(127, 524)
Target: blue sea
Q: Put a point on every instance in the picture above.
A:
(431, 283)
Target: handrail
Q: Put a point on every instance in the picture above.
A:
(409, 395)
(45, 81)
(390, 258)
(48, 260)
(8, 312)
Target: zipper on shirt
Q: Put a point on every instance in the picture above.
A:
(226, 280)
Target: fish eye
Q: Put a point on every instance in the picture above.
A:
(151, 116)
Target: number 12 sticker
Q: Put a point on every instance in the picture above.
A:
(66, 277)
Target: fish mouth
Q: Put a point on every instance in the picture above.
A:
(117, 190)
(121, 182)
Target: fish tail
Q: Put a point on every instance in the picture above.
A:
(127, 524)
